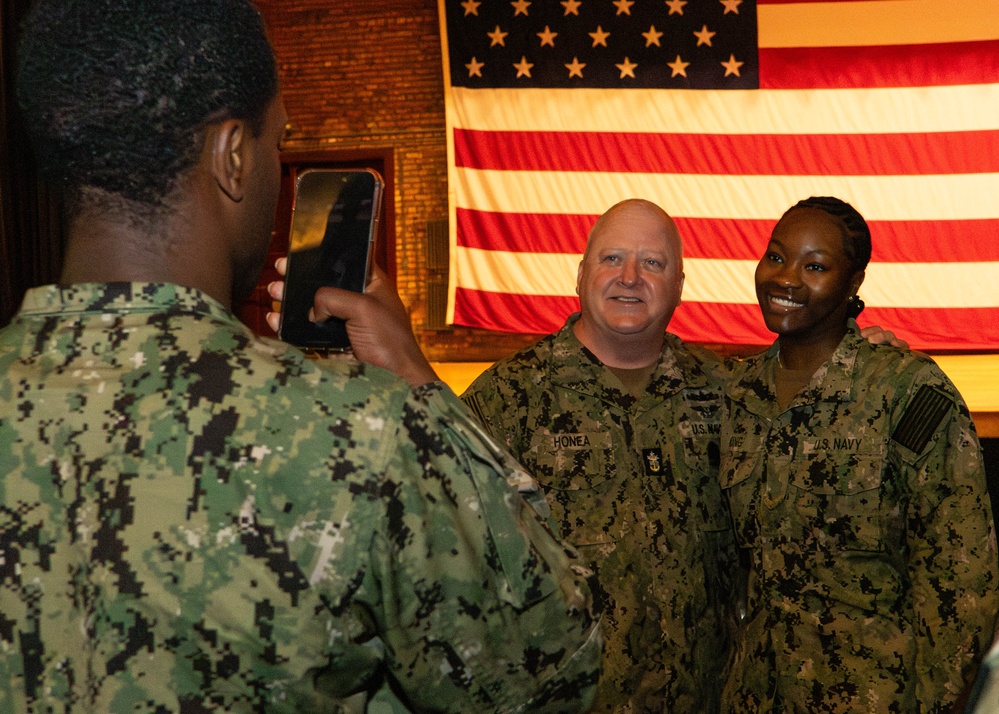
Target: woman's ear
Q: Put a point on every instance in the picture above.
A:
(857, 281)
(227, 141)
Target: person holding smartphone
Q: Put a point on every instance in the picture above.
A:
(195, 519)
(858, 495)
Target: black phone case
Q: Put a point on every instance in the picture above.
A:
(337, 252)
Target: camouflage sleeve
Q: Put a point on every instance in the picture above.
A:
(952, 542)
(499, 404)
(487, 611)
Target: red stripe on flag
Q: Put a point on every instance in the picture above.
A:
(507, 312)
(727, 323)
(891, 241)
(523, 232)
(732, 239)
(758, 154)
(888, 66)
(724, 323)
(930, 328)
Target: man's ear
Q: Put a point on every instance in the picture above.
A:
(228, 145)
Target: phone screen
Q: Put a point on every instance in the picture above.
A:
(333, 227)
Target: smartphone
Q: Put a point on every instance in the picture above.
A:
(334, 224)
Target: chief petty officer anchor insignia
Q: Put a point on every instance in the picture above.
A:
(653, 461)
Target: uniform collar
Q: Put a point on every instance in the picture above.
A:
(833, 382)
(82, 298)
(575, 367)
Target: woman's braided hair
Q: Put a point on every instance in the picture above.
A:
(855, 231)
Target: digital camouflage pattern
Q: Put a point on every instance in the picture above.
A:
(867, 522)
(194, 519)
(632, 483)
(984, 696)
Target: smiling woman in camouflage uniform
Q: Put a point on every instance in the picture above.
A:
(857, 489)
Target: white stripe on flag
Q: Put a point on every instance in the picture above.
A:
(894, 22)
(943, 285)
(878, 198)
(757, 111)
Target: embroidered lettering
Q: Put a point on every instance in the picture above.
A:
(812, 446)
(570, 441)
(846, 444)
(700, 428)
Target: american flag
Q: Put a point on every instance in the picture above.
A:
(725, 112)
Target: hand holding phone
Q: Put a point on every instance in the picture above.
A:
(381, 333)
(333, 229)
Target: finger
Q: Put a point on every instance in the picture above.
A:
(276, 290)
(875, 334)
(334, 302)
(281, 265)
(345, 356)
(382, 289)
(273, 320)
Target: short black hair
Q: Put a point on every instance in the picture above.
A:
(115, 93)
(855, 231)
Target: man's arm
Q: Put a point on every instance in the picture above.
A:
(493, 612)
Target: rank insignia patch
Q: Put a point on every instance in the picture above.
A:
(653, 459)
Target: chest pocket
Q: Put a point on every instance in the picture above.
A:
(739, 479)
(701, 455)
(578, 473)
(842, 496)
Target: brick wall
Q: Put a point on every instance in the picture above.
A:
(365, 78)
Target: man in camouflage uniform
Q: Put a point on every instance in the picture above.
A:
(865, 513)
(619, 422)
(194, 519)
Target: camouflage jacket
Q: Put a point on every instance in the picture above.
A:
(195, 519)
(632, 483)
(864, 511)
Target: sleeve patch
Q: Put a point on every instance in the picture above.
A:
(475, 407)
(922, 418)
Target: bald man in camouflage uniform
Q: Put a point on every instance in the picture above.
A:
(195, 519)
(865, 513)
(619, 422)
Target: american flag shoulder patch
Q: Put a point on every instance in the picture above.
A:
(922, 418)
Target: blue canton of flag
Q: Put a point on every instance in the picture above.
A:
(671, 44)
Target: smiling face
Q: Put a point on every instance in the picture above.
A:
(631, 276)
(804, 279)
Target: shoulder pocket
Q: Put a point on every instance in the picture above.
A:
(739, 458)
